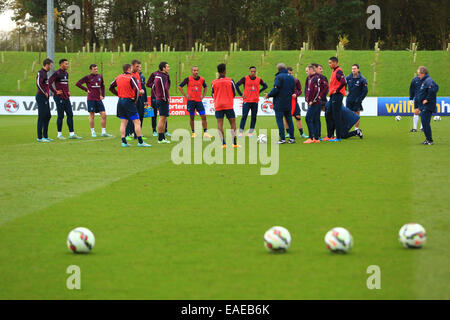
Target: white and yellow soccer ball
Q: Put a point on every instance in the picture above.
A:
(437, 118)
(81, 240)
(412, 235)
(339, 240)
(277, 239)
(398, 118)
(262, 139)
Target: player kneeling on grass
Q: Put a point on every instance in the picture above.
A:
(96, 93)
(224, 91)
(128, 93)
(349, 119)
(195, 86)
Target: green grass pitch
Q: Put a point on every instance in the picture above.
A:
(196, 231)
(395, 69)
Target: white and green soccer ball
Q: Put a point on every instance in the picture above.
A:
(412, 235)
(398, 118)
(339, 240)
(81, 240)
(262, 139)
(437, 118)
(277, 239)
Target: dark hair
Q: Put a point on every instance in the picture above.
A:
(92, 66)
(423, 70)
(221, 68)
(126, 67)
(47, 62)
(162, 65)
(135, 62)
(334, 59)
(315, 65)
(290, 69)
(356, 65)
(252, 67)
(62, 61)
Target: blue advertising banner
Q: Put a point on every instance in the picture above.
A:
(401, 106)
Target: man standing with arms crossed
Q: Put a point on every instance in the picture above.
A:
(43, 104)
(151, 85)
(357, 91)
(427, 98)
(196, 92)
(224, 91)
(316, 89)
(128, 93)
(161, 86)
(62, 98)
(337, 93)
(96, 93)
(283, 89)
(252, 89)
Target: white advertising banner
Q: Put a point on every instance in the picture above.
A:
(27, 106)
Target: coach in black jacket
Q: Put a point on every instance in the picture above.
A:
(283, 89)
(427, 100)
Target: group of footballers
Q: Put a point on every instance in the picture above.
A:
(130, 87)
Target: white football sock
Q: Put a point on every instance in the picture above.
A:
(415, 121)
(92, 130)
(103, 130)
(72, 134)
(59, 134)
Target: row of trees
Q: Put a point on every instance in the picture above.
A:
(253, 24)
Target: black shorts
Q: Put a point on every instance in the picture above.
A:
(192, 106)
(95, 106)
(163, 108)
(229, 113)
(296, 112)
(153, 102)
(127, 110)
(355, 107)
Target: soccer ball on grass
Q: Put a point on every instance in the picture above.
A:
(339, 240)
(277, 239)
(412, 235)
(81, 240)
